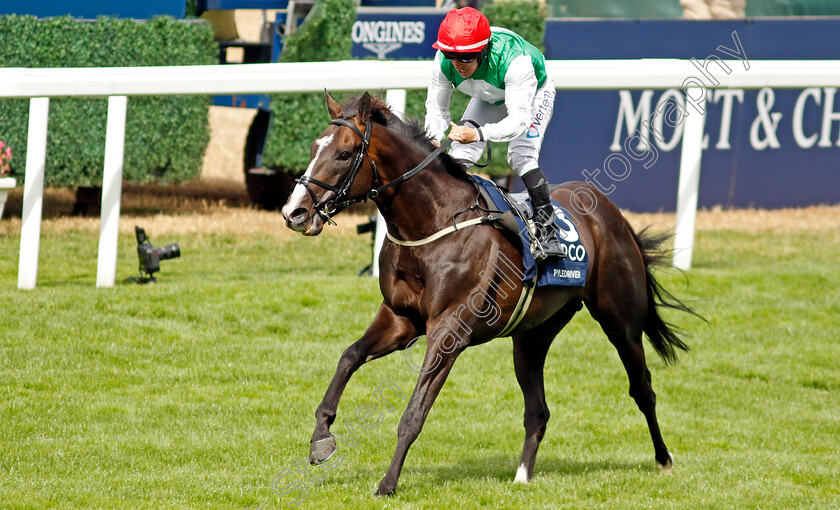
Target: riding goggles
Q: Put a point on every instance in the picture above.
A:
(460, 57)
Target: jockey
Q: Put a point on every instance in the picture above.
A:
(512, 101)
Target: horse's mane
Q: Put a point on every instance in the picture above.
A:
(381, 114)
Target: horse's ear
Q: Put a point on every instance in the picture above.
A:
(333, 107)
(364, 108)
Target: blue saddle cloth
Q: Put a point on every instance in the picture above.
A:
(570, 271)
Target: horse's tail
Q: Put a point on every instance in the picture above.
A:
(662, 335)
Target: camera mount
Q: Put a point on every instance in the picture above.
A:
(150, 257)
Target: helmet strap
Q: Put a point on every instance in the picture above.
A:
(482, 56)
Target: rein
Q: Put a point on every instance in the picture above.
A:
(341, 200)
(329, 208)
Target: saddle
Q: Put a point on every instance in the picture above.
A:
(515, 214)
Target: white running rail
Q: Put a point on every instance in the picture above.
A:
(118, 82)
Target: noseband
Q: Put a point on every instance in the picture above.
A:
(329, 208)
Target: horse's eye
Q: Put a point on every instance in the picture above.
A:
(344, 156)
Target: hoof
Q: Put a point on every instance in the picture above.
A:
(385, 489)
(321, 450)
(666, 468)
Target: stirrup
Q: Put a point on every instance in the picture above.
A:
(546, 245)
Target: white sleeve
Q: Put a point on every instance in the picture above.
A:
(437, 102)
(520, 88)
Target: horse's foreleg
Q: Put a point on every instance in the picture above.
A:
(436, 367)
(387, 333)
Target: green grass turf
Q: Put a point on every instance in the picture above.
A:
(197, 391)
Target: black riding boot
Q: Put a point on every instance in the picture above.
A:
(550, 245)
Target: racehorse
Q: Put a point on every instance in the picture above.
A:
(442, 287)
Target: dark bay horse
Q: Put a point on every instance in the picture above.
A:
(445, 288)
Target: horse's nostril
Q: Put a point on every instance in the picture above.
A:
(298, 214)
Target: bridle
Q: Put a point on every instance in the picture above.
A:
(329, 208)
(341, 200)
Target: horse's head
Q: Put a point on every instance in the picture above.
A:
(340, 171)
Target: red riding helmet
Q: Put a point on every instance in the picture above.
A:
(463, 31)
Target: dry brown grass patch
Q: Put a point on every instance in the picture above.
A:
(218, 205)
(817, 218)
(203, 206)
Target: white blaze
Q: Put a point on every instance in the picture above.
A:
(299, 193)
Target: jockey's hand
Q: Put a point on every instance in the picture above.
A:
(435, 143)
(463, 134)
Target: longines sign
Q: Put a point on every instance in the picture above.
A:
(398, 36)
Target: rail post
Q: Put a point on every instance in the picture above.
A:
(106, 270)
(689, 184)
(33, 192)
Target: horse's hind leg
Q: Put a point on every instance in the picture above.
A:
(529, 351)
(626, 335)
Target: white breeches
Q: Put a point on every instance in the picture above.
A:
(523, 151)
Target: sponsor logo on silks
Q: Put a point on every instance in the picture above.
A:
(542, 111)
(576, 253)
(383, 37)
(567, 231)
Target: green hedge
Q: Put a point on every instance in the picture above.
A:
(525, 17)
(297, 119)
(165, 136)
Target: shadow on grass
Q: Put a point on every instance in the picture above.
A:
(504, 468)
(498, 468)
(71, 281)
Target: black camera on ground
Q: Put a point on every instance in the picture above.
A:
(150, 256)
